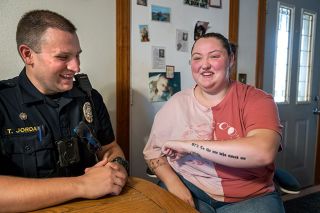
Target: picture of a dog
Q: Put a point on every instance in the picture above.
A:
(160, 89)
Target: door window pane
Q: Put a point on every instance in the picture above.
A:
(283, 49)
(305, 54)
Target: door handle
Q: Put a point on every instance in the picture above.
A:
(316, 111)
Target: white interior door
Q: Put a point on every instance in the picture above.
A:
(291, 74)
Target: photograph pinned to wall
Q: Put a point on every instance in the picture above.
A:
(142, 2)
(182, 40)
(170, 71)
(162, 88)
(144, 33)
(159, 13)
(197, 3)
(215, 3)
(242, 77)
(158, 57)
(200, 29)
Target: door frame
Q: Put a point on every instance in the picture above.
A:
(123, 88)
(123, 13)
(262, 12)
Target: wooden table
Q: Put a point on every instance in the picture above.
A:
(138, 195)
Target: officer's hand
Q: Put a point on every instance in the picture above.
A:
(102, 180)
(114, 165)
(121, 170)
(103, 162)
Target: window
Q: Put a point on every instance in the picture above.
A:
(305, 57)
(283, 50)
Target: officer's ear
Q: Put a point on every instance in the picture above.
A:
(26, 54)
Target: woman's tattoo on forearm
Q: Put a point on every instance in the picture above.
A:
(222, 154)
(155, 163)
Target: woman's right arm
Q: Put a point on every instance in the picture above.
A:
(165, 173)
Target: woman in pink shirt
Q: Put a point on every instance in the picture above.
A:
(214, 145)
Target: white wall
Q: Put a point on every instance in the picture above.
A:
(183, 17)
(95, 21)
(247, 41)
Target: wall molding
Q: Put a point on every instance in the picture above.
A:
(123, 14)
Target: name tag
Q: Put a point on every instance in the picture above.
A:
(21, 130)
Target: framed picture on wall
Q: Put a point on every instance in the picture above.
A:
(158, 57)
(159, 13)
(144, 33)
(197, 3)
(182, 40)
(200, 29)
(215, 3)
(242, 77)
(142, 2)
(162, 88)
(169, 71)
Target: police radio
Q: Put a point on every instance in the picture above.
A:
(84, 83)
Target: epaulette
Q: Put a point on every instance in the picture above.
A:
(7, 84)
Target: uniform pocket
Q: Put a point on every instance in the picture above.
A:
(28, 151)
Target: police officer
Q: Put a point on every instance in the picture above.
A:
(56, 141)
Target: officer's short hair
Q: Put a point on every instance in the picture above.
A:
(34, 23)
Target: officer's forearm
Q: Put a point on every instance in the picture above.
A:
(26, 194)
(110, 151)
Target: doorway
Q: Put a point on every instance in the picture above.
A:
(284, 54)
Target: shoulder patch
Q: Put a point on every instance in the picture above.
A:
(7, 84)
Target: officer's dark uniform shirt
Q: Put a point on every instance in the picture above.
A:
(31, 124)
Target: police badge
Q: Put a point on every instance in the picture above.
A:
(87, 112)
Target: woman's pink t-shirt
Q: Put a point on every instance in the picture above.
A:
(244, 108)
